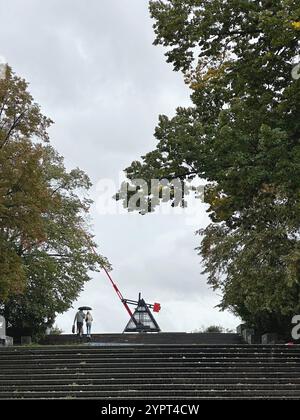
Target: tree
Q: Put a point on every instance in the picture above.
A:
(214, 329)
(242, 136)
(55, 330)
(45, 243)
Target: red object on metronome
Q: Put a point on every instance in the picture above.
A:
(156, 307)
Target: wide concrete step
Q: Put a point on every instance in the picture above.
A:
(18, 358)
(151, 394)
(146, 360)
(95, 347)
(128, 381)
(154, 365)
(144, 338)
(201, 398)
(155, 369)
(108, 386)
(147, 349)
(165, 375)
(171, 398)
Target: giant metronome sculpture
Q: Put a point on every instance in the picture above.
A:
(142, 319)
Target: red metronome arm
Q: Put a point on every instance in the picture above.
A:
(156, 306)
(118, 292)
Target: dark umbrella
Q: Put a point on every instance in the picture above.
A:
(85, 308)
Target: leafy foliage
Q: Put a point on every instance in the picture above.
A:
(242, 136)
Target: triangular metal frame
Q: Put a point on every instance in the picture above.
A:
(138, 322)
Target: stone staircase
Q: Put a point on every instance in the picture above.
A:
(146, 338)
(150, 371)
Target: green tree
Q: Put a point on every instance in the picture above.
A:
(45, 242)
(213, 329)
(55, 330)
(242, 136)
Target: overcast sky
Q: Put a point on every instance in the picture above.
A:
(93, 69)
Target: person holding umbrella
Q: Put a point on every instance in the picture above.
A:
(80, 317)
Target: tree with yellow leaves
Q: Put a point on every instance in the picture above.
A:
(45, 243)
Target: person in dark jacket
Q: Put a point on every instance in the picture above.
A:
(79, 319)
